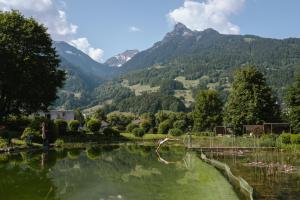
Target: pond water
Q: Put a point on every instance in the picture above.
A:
(111, 172)
(272, 174)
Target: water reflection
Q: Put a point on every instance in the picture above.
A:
(110, 172)
(273, 174)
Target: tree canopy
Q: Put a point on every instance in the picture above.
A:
(251, 100)
(208, 110)
(29, 74)
(292, 101)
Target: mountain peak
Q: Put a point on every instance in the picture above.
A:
(122, 58)
(180, 27)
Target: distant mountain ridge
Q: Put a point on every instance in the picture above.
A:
(197, 59)
(122, 58)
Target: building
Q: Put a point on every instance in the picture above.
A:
(66, 115)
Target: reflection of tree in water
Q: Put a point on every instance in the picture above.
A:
(25, 177)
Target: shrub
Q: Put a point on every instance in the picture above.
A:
(164, 127)
(285, 138)
(175, 132)
(268, 140)
(131, 126)
(59, 142)
(61, 126)
(138, 132)
(34, 134)
(17, 123)
(180, 124)
(94, 125)
(111, 132)
(295, 138)
(3, 143)
(146, 125)
(74, 125)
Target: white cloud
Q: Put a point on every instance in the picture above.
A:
(134, 29)
(48, 12)
(84, 45)
(208, 14)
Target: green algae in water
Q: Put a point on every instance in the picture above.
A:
(125, 172)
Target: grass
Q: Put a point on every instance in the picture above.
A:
(130, 136)
(188, 84)
(138, 89)
(186, 95)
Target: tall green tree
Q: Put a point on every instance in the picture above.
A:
(207, 112)
(251, 100)
(292, 100)
(29, 74)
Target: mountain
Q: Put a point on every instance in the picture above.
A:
(122, 58)
(83, 75)
(170, 72)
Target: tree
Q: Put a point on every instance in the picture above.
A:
(74, 125)
(29, 74)
(207, 112)
(292, 100)
(100, 114)
(94, 125)
(250, 101)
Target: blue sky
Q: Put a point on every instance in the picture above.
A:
(103, 28)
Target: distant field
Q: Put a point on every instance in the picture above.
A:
(188, 84)
(186, 95)
(138, 89)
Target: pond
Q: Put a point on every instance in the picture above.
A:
(273, 174)
(111, 172)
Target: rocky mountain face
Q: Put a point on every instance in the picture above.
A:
(120, 59)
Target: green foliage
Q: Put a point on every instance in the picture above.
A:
(111, 132)
(164, 127)
(146, 125)
(119, 120)
(251, 100)
(59, 142)
(208, 110)
(51, 128)
(79, 116)
(16, 123)
(175, 132)
(94, 125)
(74, 125)
(285, 138)
(168, 86)
(295, 138)
(292, 100)
(268, 140)
(3, 143)
(149, 117)
(34, 134)
(180, 124)
(131, 126)
(26, 55)
(138, 132)
(149, 102)
(100, 114)
(61, 126)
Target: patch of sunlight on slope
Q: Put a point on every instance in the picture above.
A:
(138, 89)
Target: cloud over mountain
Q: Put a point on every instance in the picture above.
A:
(208, 14)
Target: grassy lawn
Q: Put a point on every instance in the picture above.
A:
(130, 136)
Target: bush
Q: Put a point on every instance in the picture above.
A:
(61, 126)
(285, 138)
(138, 132)
(17, 123)
(131, 126)
(94, 125)
(175, 132)
(268, 140)
(164, 127)
(111, 132)
(3, 143)
(32, 133)
(146, 125)
(59, 142)
(74, 125)
(295, 138)
(180, 124)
